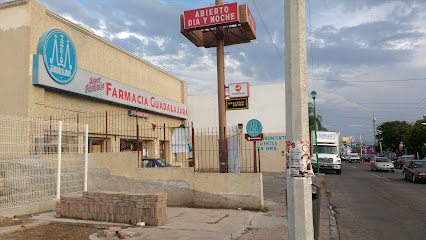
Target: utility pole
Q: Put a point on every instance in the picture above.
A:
(220, 49)
(299, 190)
(374, 129)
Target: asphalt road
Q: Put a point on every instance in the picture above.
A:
(377, 205)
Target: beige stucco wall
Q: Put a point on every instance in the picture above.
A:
(14, 58)
(243, 185)
(272, 153)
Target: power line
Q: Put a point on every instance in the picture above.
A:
(379, 108)
(344, 117)
(276, 49)
(413, 112)
(312, 54)
(369, 81)
(411, 109)
(383, 103)
(346, 126)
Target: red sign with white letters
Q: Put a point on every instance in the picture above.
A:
(204, 17)
(251, 22)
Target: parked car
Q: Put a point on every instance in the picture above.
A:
(401, 160)
(354, 157)
(154, 162)
(381, 164)
(415, 170)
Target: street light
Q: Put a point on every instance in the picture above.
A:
(314, 95)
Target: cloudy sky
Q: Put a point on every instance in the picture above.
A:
(364, 57)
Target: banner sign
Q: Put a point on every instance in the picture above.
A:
(210, 16)
(250, 21)
(61, 73)
(238, 90)
(300, 159)
(135, 113)
(237, 104)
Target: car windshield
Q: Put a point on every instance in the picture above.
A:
(382, 160)
(327, 149)
(354, 156)
(420, 164)
(407, 158)
(162, 162)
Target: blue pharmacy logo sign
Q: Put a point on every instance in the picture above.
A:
(254, 128)
(60, 57)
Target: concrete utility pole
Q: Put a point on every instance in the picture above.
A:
(220, 49)
(374, 129)
(299, 191)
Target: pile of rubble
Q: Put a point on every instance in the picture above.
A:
(112, 232)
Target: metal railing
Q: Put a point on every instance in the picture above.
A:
(171, 144)
(240, 156)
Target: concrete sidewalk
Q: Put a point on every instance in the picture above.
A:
(189, 223)
(193, 223)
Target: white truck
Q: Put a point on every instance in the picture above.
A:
(328, 151)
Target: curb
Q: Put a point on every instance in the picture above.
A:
(334, 233)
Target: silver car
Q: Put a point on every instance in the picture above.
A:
(354, 157)
(381, 164)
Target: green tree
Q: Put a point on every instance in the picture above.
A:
(320, 127)
(357, 149)
(392, 133)
(416, 138)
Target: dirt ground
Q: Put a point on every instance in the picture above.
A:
(53, 231)
(5, 222)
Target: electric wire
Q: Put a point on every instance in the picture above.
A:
(273, 43)
(412, 113)
(369, 81)
(312, 54)
(413, 108)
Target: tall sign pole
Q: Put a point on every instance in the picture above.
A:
(220, 49)
(205, 27)
(299, 191)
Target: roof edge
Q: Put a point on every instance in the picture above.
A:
(13, 3)
(84, 30)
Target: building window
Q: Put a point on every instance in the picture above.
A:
(96, 145)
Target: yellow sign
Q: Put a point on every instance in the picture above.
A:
(236, 103)
(345, 139)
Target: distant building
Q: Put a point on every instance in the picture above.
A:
(266, 104)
